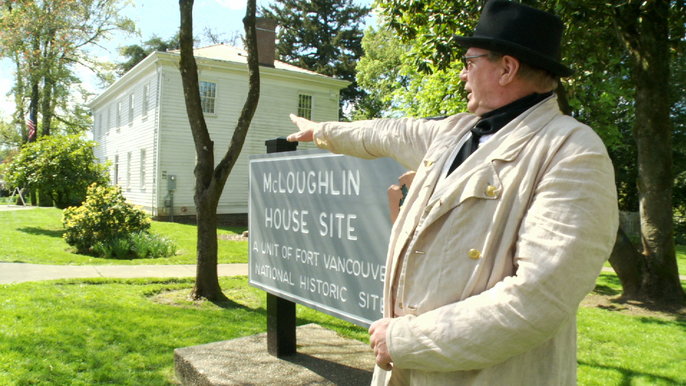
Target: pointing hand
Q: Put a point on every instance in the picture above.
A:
(306, 127)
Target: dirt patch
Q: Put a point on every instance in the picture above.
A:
(633, 307)
(235, 297)
(177, 298)
(232, 237)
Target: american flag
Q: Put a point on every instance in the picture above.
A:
(31, 124)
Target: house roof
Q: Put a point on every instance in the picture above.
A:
(235, 54)
(230, 55)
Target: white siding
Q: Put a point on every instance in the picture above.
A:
(128, 139)
(165, 137)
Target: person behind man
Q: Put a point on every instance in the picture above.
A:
(506, 225)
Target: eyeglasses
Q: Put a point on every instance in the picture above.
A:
(467, 62)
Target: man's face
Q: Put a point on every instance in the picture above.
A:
(481, 82)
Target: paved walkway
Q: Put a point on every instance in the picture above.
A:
(20, 272)
(15, 207)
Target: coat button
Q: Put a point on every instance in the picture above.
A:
(474, 254)
(491, 191)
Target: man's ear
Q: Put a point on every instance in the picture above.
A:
(510, 68)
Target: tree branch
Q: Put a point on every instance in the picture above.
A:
(240, 132)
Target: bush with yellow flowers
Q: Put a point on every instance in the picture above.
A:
(104, 217)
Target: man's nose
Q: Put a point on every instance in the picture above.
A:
(463, 75)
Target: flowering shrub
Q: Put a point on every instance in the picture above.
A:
(104, 217)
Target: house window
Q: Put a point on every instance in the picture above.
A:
(118, 118)
(305, 106)
(146, 91)
(142, 169)
(208, 92)
(115, 177)
(132, 103)
(128, 170)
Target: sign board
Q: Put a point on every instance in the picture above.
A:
(319, 227)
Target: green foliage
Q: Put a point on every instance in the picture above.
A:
(104, 217)
(378, 73)
(433, 94)
(391, 79)
(9, 138)
(47, 41)
(429, 26)
(59, 166)
(135, 53)
(142, 245)
(323, 36)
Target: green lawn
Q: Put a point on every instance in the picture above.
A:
(681, 258)
(619, 349)
(116, 332)
(35, 236)
(77, 332)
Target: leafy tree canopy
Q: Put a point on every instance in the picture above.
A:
(61, 166)
(47, 40)
(323, 36)
(135, 53)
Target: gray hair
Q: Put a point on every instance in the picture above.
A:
(540, 78)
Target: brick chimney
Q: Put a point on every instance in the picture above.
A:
(265, 30)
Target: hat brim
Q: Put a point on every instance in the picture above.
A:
(522, 53)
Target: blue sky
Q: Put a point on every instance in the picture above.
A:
(152, 17)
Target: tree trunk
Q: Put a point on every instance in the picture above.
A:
(205, 197)
(210, 181)
(33, 110)
(19, 90)
(46, 105)
(644, 29)
(207, 279)
(629, 265)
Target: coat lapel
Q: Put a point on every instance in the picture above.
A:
(478, 176)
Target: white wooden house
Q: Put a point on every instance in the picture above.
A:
(142, 130)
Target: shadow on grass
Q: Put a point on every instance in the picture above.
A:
(42, 231)
(605, 290)
(229, 304)
(630, 377)
(617, 302)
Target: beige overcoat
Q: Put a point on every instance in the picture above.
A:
(491, 262)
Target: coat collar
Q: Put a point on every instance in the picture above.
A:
(509, 141)
(504, 146)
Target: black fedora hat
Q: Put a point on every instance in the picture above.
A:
(530, 35)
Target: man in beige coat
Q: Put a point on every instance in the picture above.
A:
(508, 221)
